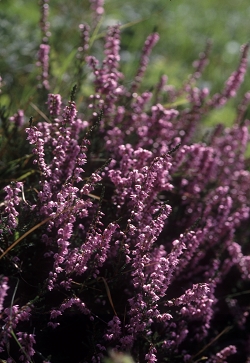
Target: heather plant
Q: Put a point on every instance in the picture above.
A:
(124, 226)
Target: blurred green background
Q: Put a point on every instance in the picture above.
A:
(183, 25)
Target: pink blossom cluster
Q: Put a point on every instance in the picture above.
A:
(11, 200)
(3, 290)
(18, 118)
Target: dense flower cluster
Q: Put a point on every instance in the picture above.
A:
(137, 231)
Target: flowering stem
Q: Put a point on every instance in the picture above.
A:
(20, 346)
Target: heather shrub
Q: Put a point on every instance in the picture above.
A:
(124, 226)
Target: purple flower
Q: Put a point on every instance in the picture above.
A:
(223, 354)
(54, 102)
(114, 329)
(18, 118)
(150, 42)
(3, 290)
(84, 29)
(11, 200)
(143, 260)
(43, 62)
(97, 8)
(26, 342)
(150, 356)
(44, 24)
(233, 83)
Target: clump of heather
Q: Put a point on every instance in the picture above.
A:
(130, 235)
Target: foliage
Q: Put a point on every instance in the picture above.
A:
(123, 223)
